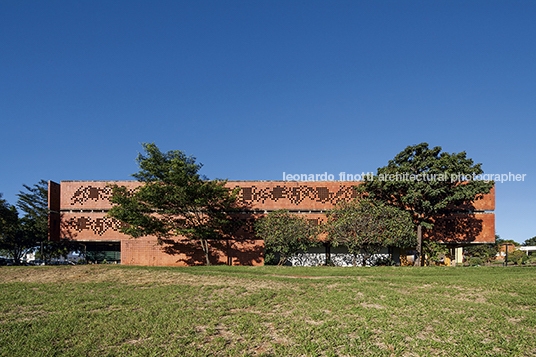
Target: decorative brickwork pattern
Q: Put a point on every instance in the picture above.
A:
(97, 226)
(86, 193)
(93, 195)
(297, 195)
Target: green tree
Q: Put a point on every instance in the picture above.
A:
(434, 251)
(530, 242)
(365, 226)
(499, 241)
(518, 257)
(30, 231)
(486, 252)
(9, 220)
(426, 182)
(17, 235)
(285, 234)
(174, 200)
(34, 203)
(6, 215)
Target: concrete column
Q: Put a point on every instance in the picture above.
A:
(458, 253)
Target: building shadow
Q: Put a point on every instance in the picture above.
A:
(235, 245)
(455, 228)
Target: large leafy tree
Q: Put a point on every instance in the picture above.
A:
(34, 203)
(174, 200)
(6, 214)
(285, 234)
(17, 234)
(427, 182)
(365, 226)
(8, 223)
(30, 231)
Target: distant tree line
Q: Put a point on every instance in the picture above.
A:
(24, 227)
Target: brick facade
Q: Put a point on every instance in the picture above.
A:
(78, 212)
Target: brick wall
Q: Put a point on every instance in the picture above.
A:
(54, 208)
(83, 206)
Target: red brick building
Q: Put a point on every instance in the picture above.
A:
(78, 211)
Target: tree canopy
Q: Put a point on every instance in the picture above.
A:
(486, 252)
(18, 235)
(285, 234)
(530, 242)
(5, 214)
(365, 226)
(499, 241)
(427, 182)
(9, 221)
(173, 200)
(34, 203)
(24, 234)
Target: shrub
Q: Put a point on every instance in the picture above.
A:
(519, 257)
(384, 261)
(365, 226)
(435, 252)
(486, 252)
(270, 258)
(475, 261)
(285, 234)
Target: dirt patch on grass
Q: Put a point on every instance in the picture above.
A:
(372, 306)
(471, 295)
(24, 313)
(259, 346)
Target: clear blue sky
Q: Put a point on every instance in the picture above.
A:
(253, 89)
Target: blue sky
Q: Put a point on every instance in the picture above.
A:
(253, 89)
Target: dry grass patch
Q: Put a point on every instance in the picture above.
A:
(138, 276)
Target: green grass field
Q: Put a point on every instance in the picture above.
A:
(267, 311)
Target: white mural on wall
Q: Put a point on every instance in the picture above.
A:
(339, 257)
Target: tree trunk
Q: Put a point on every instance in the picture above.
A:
(204, 244)
(364, 257)
(418, 256)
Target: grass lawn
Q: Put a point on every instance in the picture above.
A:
(267, 311)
